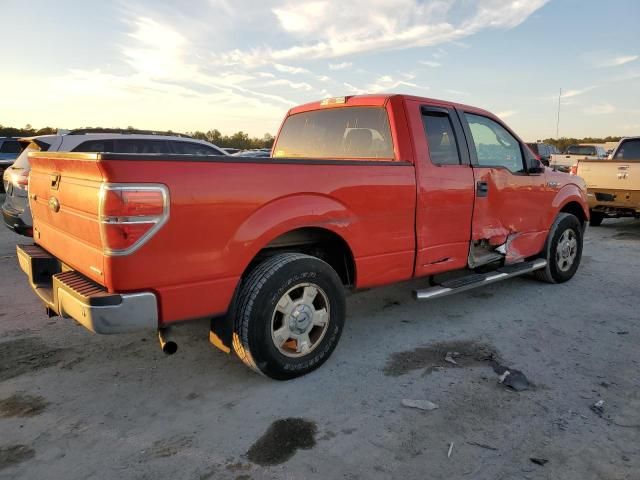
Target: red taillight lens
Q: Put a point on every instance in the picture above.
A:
(133, 203)
(130, 215)
(573, 170)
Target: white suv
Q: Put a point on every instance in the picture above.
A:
(15, 210)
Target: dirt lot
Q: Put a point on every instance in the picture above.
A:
(76, 406)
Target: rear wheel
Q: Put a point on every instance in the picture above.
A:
(563, 250)
(290, 314)
(595, 219)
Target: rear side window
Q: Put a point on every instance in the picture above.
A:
(95, 146)
(629, 150)
(10, 146)
(340, 133)
(191, 148)
(495, 146)
(443, 147)
(581, 150)
(132, 145)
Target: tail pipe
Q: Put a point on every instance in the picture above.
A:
(167, 343)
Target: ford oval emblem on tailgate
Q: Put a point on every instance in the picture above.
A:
(54, 204)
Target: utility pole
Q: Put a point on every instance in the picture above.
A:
(558, 122)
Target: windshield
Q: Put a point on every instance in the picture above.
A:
(581, 150)
(347, 132)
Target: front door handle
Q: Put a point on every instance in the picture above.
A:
(482, 189)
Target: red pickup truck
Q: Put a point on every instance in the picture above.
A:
(360, 191)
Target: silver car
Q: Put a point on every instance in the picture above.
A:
(15, 210)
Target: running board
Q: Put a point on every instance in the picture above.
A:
(478, 280)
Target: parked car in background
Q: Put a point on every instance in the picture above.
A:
(256, 153)
(564, 161)
(543, 151)
(613, 184)
(361, 192)
(15, 209)
(231, 150)
(9, 150)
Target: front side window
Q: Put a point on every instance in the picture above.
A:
(629, 150)
(337, 133)
(443, 147)
(495, 146)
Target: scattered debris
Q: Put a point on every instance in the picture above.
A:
(450, 450)
(419, 404)
(511, 377)
(598, 407)
(539, 461)
(482, 445)
(451, 356)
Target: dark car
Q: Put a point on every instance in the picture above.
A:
(543, 151)
(9, 151)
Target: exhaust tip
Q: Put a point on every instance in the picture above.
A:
(167, 344)
(170, 347)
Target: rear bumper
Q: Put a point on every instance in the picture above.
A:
(615, 203)
(71, 295)
(15, 223)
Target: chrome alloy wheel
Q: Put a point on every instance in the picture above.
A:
(300, 320)
(567, 250)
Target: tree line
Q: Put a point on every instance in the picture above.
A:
(563, 143)
(240, 139)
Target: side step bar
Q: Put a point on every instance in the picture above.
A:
(478, 280)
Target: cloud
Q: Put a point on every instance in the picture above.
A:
(575, 92)
(332, 28)
(340, 66)
(600, 109)
(618, 60)
(388, 84)
(295, 85)
(289, 69)
(430, 63)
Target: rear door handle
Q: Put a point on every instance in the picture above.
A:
(482, 189)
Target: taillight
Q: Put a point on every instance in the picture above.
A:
(574, 169)
(20, 180)
(130, 215)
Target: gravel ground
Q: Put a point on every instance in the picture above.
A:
(74, 405)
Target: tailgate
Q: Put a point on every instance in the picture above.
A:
(610, 174)
(64, 194)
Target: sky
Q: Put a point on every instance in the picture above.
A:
(240, 65)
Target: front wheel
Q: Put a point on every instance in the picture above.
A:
(289, 317)
(563, 250)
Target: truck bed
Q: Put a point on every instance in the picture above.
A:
(216, 226)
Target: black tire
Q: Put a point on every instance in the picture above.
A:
(258, 296)
(596, 219)
(555, 272)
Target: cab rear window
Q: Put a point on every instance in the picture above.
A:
(337, 133)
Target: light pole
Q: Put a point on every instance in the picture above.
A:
(558, 122)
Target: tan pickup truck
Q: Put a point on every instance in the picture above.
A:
(613, 184)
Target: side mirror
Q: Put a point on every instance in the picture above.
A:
(535, 166)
